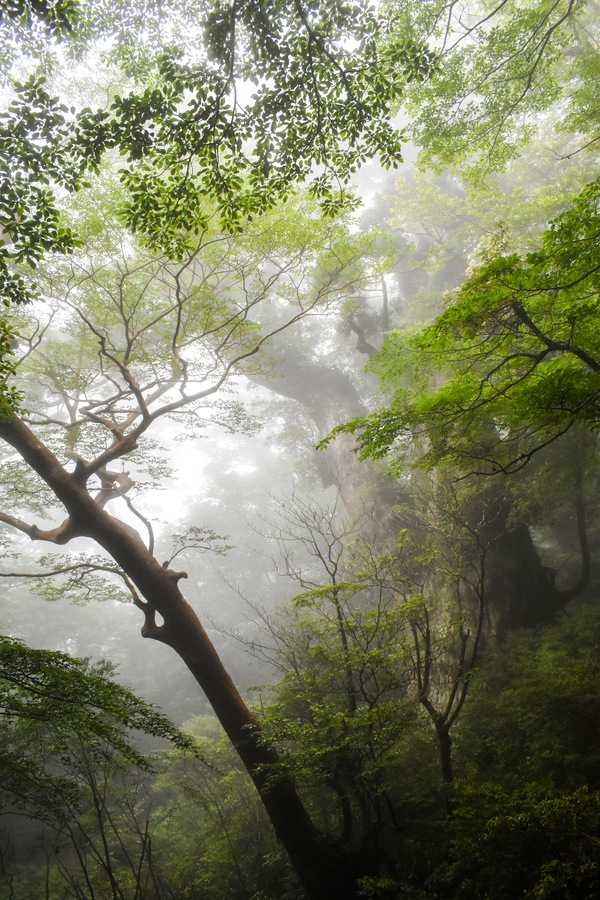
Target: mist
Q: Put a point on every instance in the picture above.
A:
(299, 528)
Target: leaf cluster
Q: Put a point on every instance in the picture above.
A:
(50, 704)
(34, 28)
(58, 16)
(500, 67)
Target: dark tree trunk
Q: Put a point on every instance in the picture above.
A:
(445, 748)
(521, 591)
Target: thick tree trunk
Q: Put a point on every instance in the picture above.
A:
(521, 591)
(330, 398)
(323, 869)
(319, 867)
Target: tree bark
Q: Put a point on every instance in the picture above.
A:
(521, 592)
(322, 867)
(330, 398)
(445, 747)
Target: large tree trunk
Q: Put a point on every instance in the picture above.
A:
(330, 398)
(322, 868)
(521, 591)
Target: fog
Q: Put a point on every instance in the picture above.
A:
(319, 489)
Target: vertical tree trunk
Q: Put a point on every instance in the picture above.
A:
(445, 747)
(330, 398)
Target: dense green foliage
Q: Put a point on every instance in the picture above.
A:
(72, 775)
(526, 797)
(188, 136)
(512, 363)
(49, 704)
(510, 366)
(525, 804)
(530, 800)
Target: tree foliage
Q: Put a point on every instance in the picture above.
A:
(50, 704)
(172, 246)
(322, 97)
(32, 27)
(527, 821)
(509, 367)
(500, 67)
(130, 334)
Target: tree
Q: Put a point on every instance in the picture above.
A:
(190, 135)
(527, 816)
(211, 836)
(462, 394)
(68, 737)
(51, 701)
(153, 339)
(192, 150)
(509, 367)
(499, 68)
(373, 639)
(341, 703)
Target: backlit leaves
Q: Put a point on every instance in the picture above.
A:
(511, 365)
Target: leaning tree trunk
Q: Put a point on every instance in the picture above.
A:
(323, 869)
